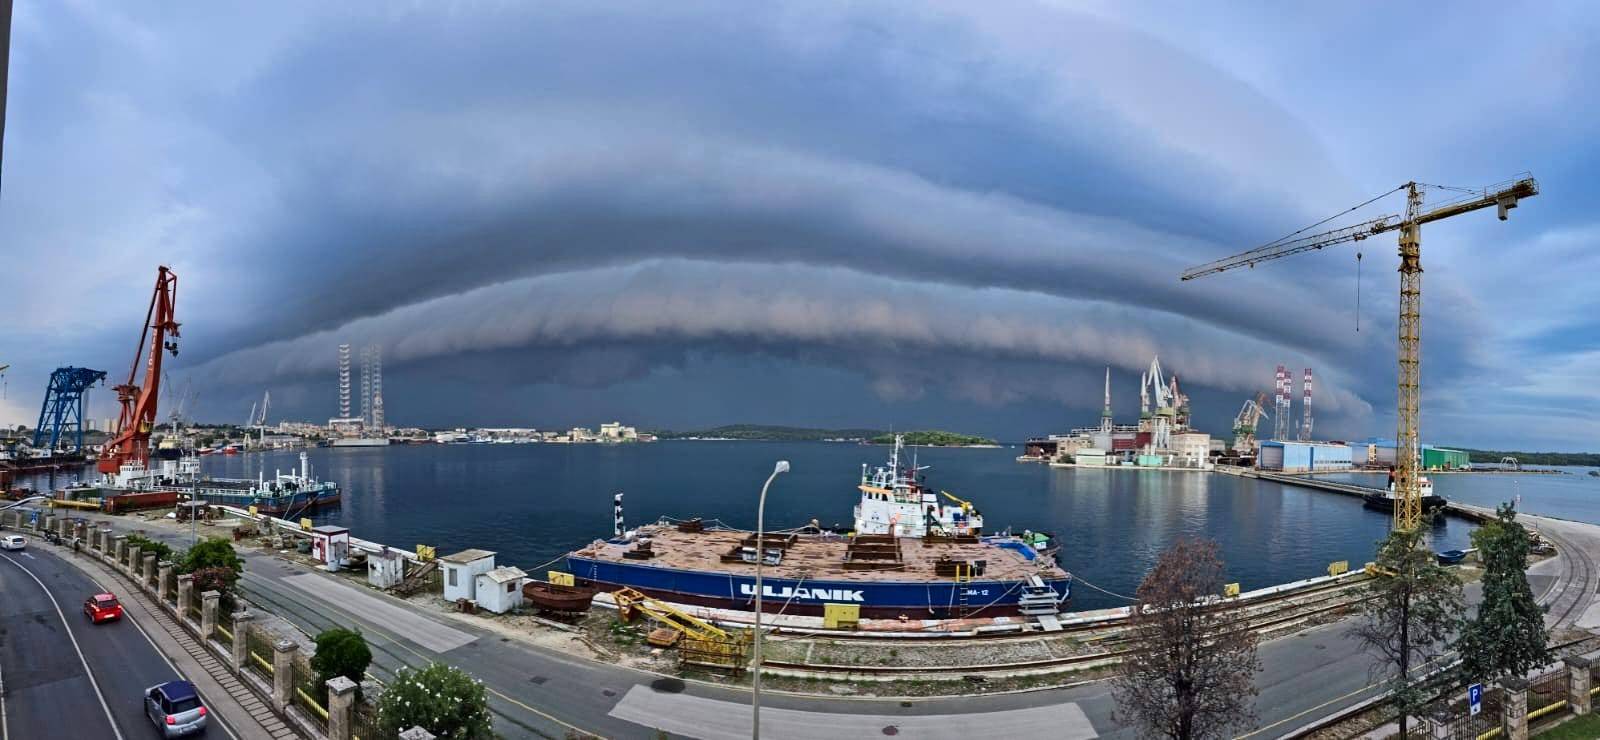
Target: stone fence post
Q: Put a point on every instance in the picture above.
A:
(208, 614)
(162, 578)
(416, 733)
(149, 572)
(241, 640)
(283, 674)
(185, 586)
(1578, 683)
(64, 527)
(1514, 708)
(134, 561)
(341, 700)
(119, 548)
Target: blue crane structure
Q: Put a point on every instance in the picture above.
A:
(63, 406)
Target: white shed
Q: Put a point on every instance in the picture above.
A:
(330, 545)
(386, 569)
(500, 590)
(461, 571)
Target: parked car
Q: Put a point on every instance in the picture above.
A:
(13, 542)
(175, 708)
(102, 607)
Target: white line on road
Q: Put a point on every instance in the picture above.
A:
(27, 555)
(713, 719)
(213, 711)
(85, 661)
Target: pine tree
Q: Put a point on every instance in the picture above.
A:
(1410, 612)
(1508, 636)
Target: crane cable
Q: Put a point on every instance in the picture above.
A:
(1344, 212)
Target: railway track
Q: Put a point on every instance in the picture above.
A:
(1262, 622)
(1576, 584)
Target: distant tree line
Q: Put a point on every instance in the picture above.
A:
(771, 433)
(934, 438)
(1590, 459)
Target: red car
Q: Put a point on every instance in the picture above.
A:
(102, 607)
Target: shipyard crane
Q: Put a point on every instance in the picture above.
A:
(1244, 425)
(1504, 196)
(131, 442)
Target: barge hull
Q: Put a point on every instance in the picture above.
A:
(877, 599)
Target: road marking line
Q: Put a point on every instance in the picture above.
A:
(157, 648)
(74, 638)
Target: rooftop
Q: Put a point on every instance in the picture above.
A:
(467, 556)
(504, 574)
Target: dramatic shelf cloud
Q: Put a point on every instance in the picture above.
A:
(869, 214)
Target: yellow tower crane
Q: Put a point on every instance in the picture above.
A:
(1504, 195)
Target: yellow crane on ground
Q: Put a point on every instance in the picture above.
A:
(1503, 195)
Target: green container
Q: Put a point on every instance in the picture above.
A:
(1151, 461)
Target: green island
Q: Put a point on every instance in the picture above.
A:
(936, 438)
(1590, 459)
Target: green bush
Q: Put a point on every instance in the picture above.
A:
(211, 552)
(440, 699)
(340, 652)
(162, 550)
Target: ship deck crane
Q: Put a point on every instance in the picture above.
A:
(131, 443)
(1504, 196)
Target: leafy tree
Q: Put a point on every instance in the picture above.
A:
(1411, 609)
(162, 550)
(1190, 672)
(440, 699)
(341, 652)
(1508, 636)
(211, 552)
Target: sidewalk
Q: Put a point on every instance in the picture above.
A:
(243, 711)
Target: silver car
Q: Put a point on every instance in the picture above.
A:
(175, 708)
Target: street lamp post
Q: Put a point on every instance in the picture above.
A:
(761, 555)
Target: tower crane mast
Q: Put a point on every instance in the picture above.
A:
(131, 442)
(1503, 196)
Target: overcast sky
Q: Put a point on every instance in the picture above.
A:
(912, 215)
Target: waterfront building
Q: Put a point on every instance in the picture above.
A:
(500, 590)
(461, 572)
(1304, 457)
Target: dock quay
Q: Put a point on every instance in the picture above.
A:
(1468, 512)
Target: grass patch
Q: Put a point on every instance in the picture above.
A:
(1586, 727)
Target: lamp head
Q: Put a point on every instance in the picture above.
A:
(781, 467)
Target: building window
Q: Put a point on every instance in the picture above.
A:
(511, 588)
(452, 574)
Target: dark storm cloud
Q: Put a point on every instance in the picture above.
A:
(945, 202)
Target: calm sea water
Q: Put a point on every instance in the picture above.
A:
(533, 503)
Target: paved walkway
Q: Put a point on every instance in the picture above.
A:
(240, 707)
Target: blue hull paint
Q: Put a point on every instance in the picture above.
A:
(885, 599)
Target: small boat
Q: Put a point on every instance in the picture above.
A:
(1451, 557)
(1384, 500)
(557, 598)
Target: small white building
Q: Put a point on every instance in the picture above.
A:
(330, 545)
(1193, 449)
(461, 572)
(1089, 456)
(500, 590)
(386, 569)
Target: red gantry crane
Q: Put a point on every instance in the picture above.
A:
(131, 442)
(1504, 195)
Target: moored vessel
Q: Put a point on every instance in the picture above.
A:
(911, 556)
(1384, 500)
(283, 494)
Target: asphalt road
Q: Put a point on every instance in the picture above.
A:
(47, 690)
(536, 692)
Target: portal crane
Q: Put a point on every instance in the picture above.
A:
(1244, 425)
(132, 440)
(1504, 196)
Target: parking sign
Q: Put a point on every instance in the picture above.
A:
(1475, 699)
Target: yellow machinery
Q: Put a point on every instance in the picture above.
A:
(703, 643)
(841, 616)
(1504, 195)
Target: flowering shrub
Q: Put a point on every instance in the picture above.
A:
(440, 699)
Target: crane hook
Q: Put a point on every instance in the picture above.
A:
(1358, 291)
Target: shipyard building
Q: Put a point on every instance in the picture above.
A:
(1304, 457)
